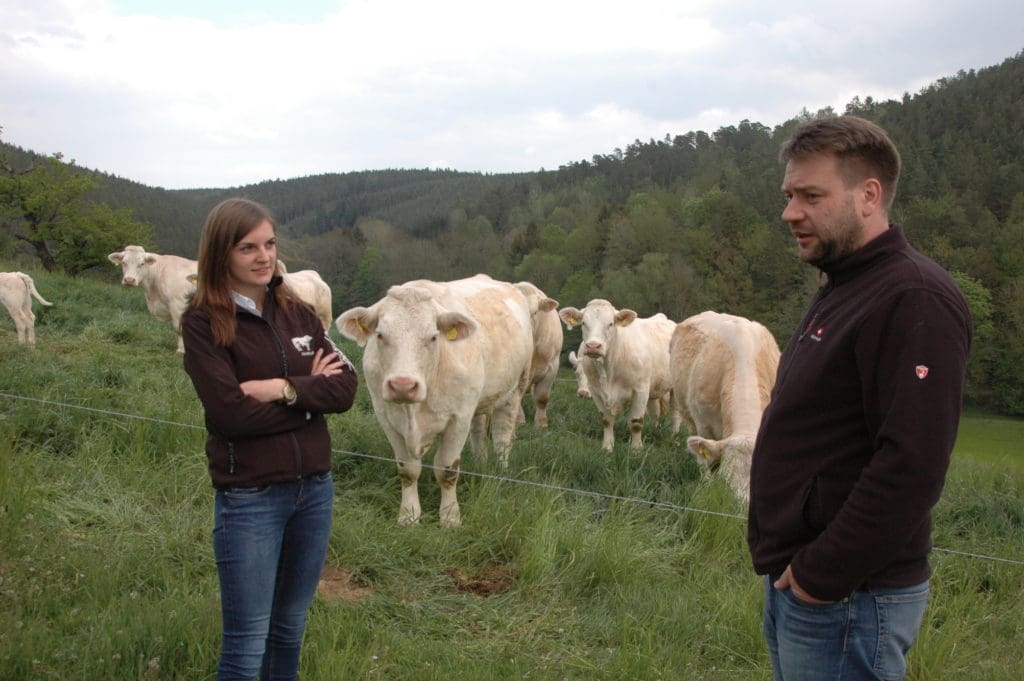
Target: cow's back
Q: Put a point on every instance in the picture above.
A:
(504, 338)
(723, 371)
(167, 283)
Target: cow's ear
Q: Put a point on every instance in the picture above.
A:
(547, 305)
(116, 258)
(150, 258)
(357, 324)
(455, 326)
(707, 452)
(570, 316)
(192, 278)
(624, 317)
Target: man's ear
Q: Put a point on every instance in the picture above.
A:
(872, 198)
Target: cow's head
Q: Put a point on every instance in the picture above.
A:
(600, 321)
(133, 260)
(403, 334)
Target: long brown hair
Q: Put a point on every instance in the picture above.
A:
(226, 225)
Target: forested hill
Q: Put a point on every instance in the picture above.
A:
(682, 224)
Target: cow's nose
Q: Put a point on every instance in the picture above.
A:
(593, 346)
(403, 389)
(128, 281)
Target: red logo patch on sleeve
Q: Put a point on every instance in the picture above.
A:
(921, 371)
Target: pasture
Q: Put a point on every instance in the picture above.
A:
(572, 564)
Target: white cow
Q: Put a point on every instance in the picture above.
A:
(576, 361)
(164, 280)
(723, 371)
(441, 360)
(547, 346)
(310, 287)
(625, 360)
(16, 292)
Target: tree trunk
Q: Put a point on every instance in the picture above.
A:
(42, 252)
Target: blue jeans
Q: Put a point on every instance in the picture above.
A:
(270, 544)
(865, 636)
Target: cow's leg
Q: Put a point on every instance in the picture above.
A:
(447, 463)
(22, 324)
(503, 427)
(409, 467)
(478, 434)
(176, 323)
(637, 408)
(541, 396)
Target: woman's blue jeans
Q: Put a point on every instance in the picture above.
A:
(270, 544)
(865, 636)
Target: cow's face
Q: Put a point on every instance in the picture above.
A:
(133, 261)
(601, 321)
(403, 334)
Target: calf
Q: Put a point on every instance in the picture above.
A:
(16, 292)
(625, 360)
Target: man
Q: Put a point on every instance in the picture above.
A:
(852, 451)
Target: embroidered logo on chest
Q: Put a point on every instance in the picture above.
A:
(302, 344)
(921, 371)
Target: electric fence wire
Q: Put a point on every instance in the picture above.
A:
(483, 476)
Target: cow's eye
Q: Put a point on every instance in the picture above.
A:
(433, 339)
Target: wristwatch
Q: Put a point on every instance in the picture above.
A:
(288, 393)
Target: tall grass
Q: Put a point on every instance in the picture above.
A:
(572, 564)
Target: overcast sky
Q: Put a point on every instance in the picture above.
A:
(215, 93)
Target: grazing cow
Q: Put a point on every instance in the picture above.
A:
(164, 280)
(443, 359)
(310, 287)
(625, 360)
(16, 292)
(723, 371)
(582, 387)
(547, 346)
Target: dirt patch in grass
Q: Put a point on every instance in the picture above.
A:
(485, 582)
(337, 583)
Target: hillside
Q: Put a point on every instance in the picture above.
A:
(678, 225)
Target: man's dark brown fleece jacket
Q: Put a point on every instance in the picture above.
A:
(852, 451)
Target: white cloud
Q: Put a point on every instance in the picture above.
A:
(196, 101)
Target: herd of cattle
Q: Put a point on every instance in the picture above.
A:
(449, 361)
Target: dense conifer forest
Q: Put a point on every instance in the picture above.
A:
(679, 225)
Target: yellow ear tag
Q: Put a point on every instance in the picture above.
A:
(362, 329)
(452, 334)
(704, 452)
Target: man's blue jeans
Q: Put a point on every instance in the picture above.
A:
(865, 636)
(270, 544)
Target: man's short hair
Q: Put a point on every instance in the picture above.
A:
(863, 148)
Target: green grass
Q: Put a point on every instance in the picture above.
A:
(598, 568)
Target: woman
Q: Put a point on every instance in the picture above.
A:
(266, 372)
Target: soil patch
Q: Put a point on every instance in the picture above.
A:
(336, 583)
(485, 582)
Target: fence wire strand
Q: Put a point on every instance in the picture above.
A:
(484, 476)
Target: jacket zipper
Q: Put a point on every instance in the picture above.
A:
(284, 366)
(231, 457)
